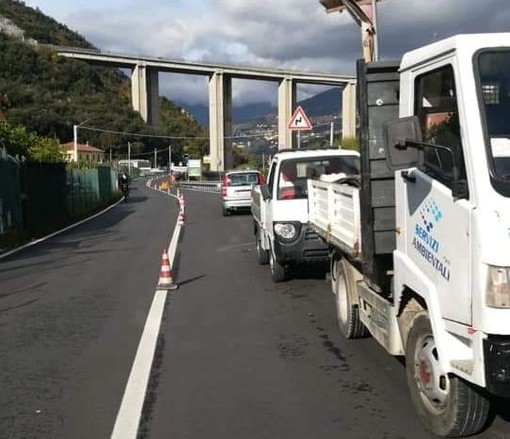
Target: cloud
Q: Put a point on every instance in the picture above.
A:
(289, 34)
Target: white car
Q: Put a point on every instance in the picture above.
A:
(236, 189)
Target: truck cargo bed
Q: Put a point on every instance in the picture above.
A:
(334, 210)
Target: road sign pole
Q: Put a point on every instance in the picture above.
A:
(299, 139)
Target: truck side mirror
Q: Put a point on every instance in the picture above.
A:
(264, 190)
(395, 133)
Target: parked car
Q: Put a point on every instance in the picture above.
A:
(236, 189)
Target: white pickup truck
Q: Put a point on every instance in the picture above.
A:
(421, 248)
(280, 208)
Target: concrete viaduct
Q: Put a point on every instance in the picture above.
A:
(145, 92)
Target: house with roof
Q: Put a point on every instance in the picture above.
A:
(86, 153)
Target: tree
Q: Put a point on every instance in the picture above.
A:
(22, 143)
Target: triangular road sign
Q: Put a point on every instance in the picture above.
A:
(299, 121)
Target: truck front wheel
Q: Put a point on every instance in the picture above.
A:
(262, 255)
(447, 405)
(278, 272)
(347, 312)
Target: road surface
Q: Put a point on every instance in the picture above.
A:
(238, 356)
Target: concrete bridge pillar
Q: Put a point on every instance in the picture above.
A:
(349, 110)
(145, 92)
(220, 121)
(286, 105)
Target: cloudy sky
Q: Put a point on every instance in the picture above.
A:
(293, 34)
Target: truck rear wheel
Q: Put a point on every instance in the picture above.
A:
(447, 405)
(262, 255)
(278, 271)
(347, 312)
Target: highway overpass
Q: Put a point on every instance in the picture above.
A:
(145, 92)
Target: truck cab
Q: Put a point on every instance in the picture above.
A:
(455, 202)
(425, 268)
(280, 208)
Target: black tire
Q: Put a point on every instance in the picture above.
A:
(278, 272)
(262, 255)
(225, 211)
(347, 312)
(447, 405)
(334, 261)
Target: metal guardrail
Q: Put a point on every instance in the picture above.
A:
(202, 186)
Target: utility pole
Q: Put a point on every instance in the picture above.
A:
(110, 155)
(331, 134)
(155, 158)
(129, 158)
(75, 141)
(75, 138)
(364, 13)
(170, 159)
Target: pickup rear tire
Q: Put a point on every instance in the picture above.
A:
(447, 405)
(347, 312)
(225, 211)
(278, 271)
(262, 255)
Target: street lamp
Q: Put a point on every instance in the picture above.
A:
(368, 24)
(75, 138)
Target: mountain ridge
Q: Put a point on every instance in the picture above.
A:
(326, 103)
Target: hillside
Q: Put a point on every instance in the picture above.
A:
(49, 94)
(327, 103)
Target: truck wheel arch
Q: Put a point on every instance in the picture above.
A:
(411, 304)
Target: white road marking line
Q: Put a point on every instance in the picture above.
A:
(128, 417)
(58, 232)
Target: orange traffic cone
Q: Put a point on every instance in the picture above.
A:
(180, 218)
(165, 276)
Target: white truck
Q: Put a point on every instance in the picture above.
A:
(421, 249)
(280, 208)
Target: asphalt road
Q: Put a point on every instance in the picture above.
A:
(238, 356)
(71, 314)
(242, 357)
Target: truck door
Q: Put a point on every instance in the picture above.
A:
(438, 226)
(267, 209)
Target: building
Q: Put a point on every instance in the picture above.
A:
(86, 153)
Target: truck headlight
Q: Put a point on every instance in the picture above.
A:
(497, 294)
(287, 231)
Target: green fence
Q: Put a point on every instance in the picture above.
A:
(43, 187)
(10, 195)
(89, 188)
(36, 198)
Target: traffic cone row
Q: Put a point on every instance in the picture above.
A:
(166, 281)
(180, 218)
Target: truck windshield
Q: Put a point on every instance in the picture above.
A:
(494, 88)
(293, 176)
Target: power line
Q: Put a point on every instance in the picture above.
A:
(125, 133)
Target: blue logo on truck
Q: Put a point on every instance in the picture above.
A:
(424, 241)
